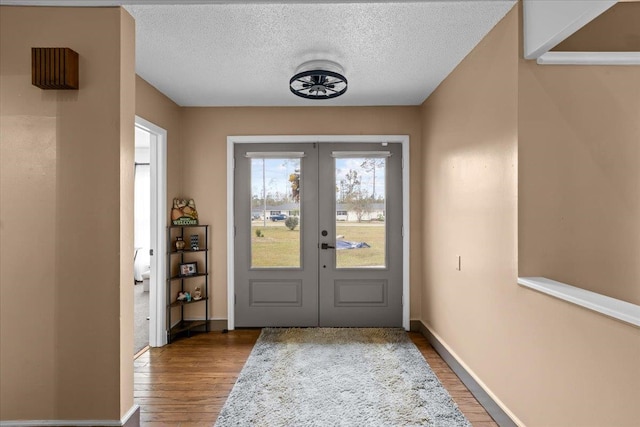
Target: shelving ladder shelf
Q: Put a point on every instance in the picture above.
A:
(186, 282)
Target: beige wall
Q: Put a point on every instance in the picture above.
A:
(64, 264)
(580, 177)
(469, 159)
(155, 107)
(580, 167)
(205, 132)
(550, 363)
(616, 30)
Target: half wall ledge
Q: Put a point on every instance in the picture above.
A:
(612, 307)
(589, 58)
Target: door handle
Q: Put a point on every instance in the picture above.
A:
(327, 246)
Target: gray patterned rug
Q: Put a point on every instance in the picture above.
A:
(338, 377)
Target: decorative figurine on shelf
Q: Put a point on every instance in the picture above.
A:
(184, 212)
(197, 293)
(184, 296)
(180, 243)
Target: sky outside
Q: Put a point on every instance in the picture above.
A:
(277, 171)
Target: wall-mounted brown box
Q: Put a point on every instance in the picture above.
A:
(54, 68)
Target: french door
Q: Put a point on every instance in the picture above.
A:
(318, 235)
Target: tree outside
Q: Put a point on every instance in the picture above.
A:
(352, 195)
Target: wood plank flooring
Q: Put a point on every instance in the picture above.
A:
(186, 383)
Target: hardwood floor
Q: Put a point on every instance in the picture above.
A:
(186, 383)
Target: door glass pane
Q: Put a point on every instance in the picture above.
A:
(275, 213)
(360, 212)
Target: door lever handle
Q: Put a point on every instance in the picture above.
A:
(327, 246)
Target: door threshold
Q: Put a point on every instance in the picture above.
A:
(141, 352)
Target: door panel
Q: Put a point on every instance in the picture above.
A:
(276, 269)
(341, 265)
(275, 293)
(358, 292)
(360, 280)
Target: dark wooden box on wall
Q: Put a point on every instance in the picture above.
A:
(54, 68)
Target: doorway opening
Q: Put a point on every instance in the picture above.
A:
(345, 294)
(149, 230)
(141, 238)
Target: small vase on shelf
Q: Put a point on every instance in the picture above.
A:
(179, 243)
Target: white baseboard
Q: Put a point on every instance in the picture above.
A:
(130, 419)
(494, 406)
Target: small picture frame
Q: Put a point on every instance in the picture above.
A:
(188, 269)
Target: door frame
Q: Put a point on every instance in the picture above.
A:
(158, 211)
(320, 139)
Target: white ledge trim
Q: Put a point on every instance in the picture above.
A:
(589, 58)
(618, 309)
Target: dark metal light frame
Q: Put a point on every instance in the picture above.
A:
(318, 84)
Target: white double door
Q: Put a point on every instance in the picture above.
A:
(336, 260)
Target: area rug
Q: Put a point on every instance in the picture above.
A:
(338, 377)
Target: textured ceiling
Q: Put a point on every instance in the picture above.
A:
(243, 54)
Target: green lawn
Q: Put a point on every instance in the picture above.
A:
(280, 247)
(373, 235)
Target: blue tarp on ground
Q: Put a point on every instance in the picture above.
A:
(343, 244)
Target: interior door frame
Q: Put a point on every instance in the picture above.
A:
(158, 211)
(319, 139)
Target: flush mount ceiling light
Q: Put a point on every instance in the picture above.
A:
(318, 80)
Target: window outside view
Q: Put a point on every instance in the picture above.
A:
(275, 213)
(359, 212)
